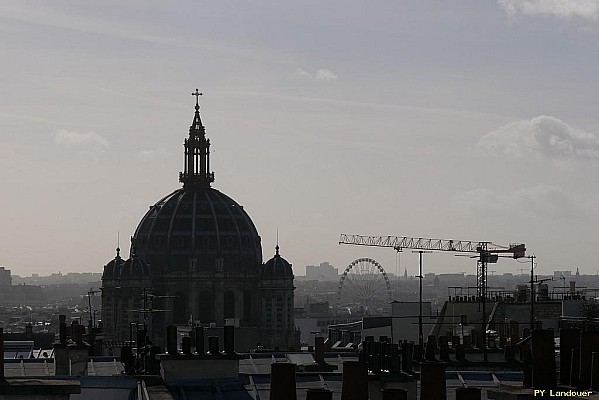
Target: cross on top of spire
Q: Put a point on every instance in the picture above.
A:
(197, 94)
(197, 152)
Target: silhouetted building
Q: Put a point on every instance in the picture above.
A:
(5, 278)
(322, 272)
(197, 257)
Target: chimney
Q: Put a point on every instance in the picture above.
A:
(432, 381)
(282, 381)
(509, 353)
(199, 336)
(61, 355)
(229, 333)
(319, 349)
(355, 381)
(127, 359)
(589, 343)
(141, 338)
(171, 339)
(62, 328)
(569, 339)
(29, 331)
(431, 348)
(406, 357)
(78, 352)
(213, 346)
(77, 333)
(186, 345)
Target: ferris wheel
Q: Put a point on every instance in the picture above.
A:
(364, 285)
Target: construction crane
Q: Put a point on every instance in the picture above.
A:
(487, 253)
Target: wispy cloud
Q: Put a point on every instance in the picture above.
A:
(320, 75)
(65, 18)
(89, 141)
(545, 136)
(587, 10)
(152, 153)
(536, 201)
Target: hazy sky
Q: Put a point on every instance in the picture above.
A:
(466, 120)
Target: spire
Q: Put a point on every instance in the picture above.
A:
(197, 152)
(277, 246)
(118, 245)
(132, 249)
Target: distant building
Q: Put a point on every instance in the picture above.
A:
(322, 272)
(559, 274)
(5, 278)
(315, 319)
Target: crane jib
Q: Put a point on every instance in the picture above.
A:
(460, 246)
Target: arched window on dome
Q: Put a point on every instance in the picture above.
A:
(229, 301)
(206, 313)
(180, 314)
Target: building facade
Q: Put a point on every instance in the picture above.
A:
(196, 259)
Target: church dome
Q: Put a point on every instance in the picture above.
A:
(277, 267)
(193, 228)
(198, 228)
(135, 267)
(112, 270)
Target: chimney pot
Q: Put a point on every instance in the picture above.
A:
(355, 381)
(282, 381)
(199, 336)
(171, 339)
(213, 346)
(229, 333)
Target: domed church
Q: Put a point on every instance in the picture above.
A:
(196, 258)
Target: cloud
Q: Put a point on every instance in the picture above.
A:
(535, 201)
(151, 153)
(564, 9)
(326, 75)
(319, 75)
(541, 136)
(84, 141)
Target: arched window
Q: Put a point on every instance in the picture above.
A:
(206, 307)
(180, 314)
(229, 309)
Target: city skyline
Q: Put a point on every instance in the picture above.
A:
(466, 121)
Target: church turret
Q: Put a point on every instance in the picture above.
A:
(278, 325)
(197, 153)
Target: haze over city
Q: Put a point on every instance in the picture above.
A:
(461, 120)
